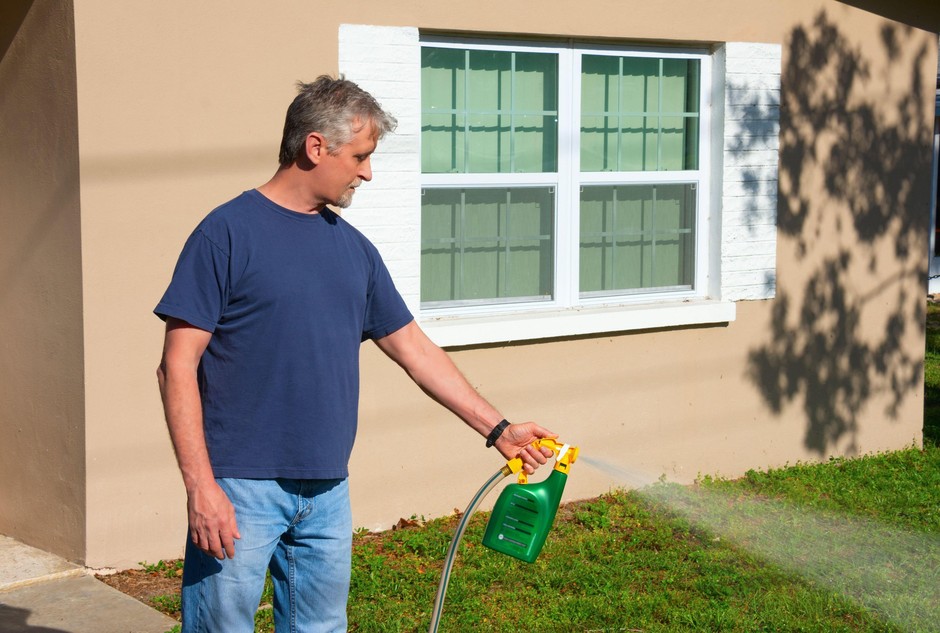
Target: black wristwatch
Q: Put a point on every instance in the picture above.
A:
(496, 432)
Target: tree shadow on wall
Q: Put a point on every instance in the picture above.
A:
(854, 178)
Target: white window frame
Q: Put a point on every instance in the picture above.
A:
(742, 181)
(430, 316)
(568, 179)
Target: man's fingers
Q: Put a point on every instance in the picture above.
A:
(201, 540)
(531, 459)
(228, 544)
(537, 456)
(543, 432)
(216, 543)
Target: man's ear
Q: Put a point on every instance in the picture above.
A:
(315, 147)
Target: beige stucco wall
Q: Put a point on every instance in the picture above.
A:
(42, 434)
(180, 106)
(168, 123)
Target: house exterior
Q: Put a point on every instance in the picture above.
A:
(690, 246)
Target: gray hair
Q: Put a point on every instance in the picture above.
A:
(331, 107)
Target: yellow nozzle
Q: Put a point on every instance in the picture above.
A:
(514, 465)
(565, 455)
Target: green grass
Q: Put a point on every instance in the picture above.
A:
(626, 562)
(168, 569)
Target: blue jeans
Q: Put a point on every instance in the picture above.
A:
(299, 528)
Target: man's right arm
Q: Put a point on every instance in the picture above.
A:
(212, 523)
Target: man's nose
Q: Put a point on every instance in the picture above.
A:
(365, 170)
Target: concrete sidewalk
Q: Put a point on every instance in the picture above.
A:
(42, 593)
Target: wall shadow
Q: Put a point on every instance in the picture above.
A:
(12, 15)
(852, 219)
(919, 13)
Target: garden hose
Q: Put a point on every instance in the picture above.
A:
(505, 471)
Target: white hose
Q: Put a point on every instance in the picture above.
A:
(454, 544)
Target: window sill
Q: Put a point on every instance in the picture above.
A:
(504, 328)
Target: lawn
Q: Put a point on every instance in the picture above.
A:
(850, 545)
(847, 545)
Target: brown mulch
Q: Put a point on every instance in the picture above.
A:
(155, 589)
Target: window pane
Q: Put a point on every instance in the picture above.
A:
(680, 85)
(639, 113)
(672, 143)
(487, 245)
(639, 144)
(503, 109)
(636, 237)
(489, 76)
(536, 86)
(488, 143)
(597, 151)
(442, 143)
(599, 76)
(443, 106)
(534, 143)
(680, 96)
(639, 84)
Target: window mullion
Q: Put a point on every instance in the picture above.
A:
(619, 113)
(566, 196)
(613, 239)
(504, 231)
(653, 211)
(659, 116)
(462, 231)
(512, 113)
(466, 112)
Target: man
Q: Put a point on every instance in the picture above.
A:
(271, 298)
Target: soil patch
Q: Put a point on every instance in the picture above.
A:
(159, 590)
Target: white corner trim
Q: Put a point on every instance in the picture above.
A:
(386, 61)
(526, 326)
(751, 138)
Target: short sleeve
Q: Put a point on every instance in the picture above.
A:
(199, 289)
(386, 311)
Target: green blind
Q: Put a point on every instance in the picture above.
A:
(639, 113)
(480, 245)
(488, 111)
(637, 237)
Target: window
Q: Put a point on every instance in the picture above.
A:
(524, 196)
(560, 176)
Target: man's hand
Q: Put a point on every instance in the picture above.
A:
(516, 441)
(212, 525)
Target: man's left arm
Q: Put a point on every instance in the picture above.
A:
(435, 373)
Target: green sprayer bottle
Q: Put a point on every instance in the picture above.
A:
(524, 512)
(521, 519)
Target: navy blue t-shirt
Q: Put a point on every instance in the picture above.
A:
(288, 297)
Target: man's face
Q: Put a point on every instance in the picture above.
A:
(345, 169)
